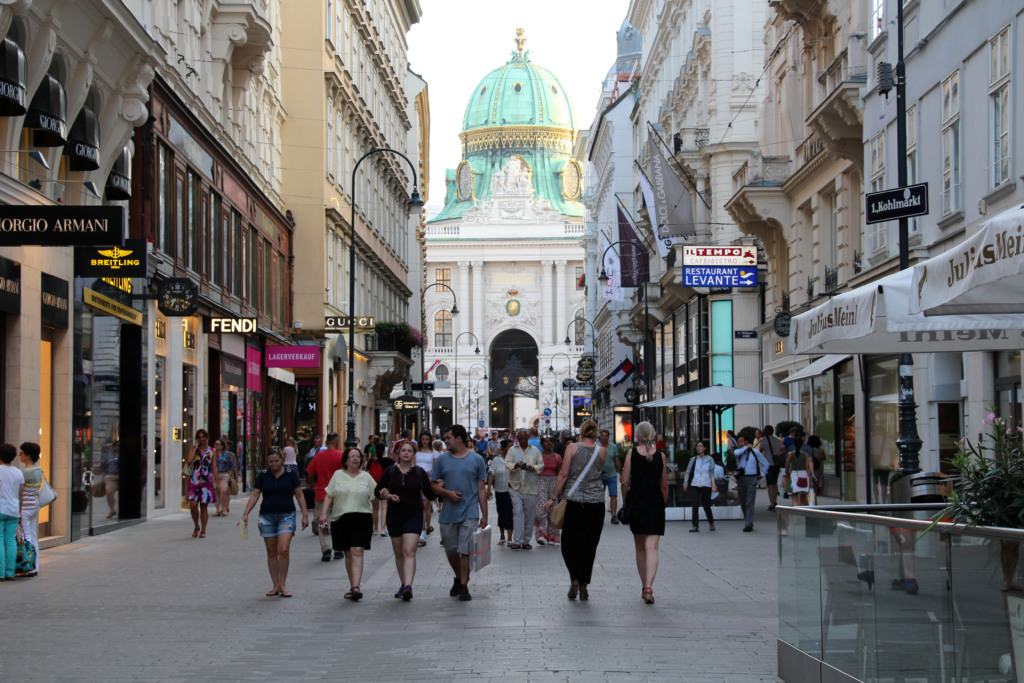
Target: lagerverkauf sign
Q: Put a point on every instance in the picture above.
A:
(292, 357)
(901, 202)
(61, 226)
(719, 276)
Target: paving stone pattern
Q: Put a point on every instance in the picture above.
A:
(151, 603)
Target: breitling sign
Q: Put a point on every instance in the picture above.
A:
(61, 226)
(112, 262)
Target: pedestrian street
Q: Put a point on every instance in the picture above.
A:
(151, 603)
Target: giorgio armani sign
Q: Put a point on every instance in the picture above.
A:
(61, 226)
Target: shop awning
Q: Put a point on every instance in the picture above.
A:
(982, 274)
(874, 318)
(83, 148)
(12, 79)
(818, 367)
(281, 375)
(47, 114)
(119, 182)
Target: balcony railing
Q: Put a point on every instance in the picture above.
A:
(871, 592)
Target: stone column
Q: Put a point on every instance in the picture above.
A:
(561, 295)
(546, 316)
(479, 294)
(461, 322)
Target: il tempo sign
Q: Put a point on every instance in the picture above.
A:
(229, 325)
(720, 256)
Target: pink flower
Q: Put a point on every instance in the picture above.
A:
(990, 419)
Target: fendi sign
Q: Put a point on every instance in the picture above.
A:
(229, 325)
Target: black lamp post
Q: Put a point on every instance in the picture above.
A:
(414, 202)
(603, 277)
(456, 392)
(423, 354)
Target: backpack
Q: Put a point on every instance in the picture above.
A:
(376, 470)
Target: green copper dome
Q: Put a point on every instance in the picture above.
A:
(518, 110)
(520, 93)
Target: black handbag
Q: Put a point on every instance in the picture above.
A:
(623, 515)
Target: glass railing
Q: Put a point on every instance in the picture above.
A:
(871, 592)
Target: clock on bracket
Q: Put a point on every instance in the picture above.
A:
(177, 297)
(464, 180)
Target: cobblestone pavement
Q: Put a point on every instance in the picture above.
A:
(151, 603)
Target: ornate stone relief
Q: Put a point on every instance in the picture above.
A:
(512, 199)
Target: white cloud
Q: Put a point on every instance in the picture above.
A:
(458, 42)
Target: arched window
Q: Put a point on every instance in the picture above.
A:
(581, 327)
(441, 373)
(443, 330)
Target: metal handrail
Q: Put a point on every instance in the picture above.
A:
(855, 513)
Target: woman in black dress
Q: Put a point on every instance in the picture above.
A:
(645, 490)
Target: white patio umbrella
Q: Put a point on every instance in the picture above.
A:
(719, 399)
(982, 274)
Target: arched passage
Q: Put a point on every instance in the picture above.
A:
(513, 380)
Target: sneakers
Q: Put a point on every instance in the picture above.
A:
(615, 520)
(456, 588)
(422, 543)
(327, 556)
(541, 541)
(464, 595)
(407, 593)
(694, 529)
(339, 555)
(748, 528)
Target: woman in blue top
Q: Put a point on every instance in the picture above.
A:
(278, 485)
(227, 465)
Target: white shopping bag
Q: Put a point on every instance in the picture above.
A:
(480, 552)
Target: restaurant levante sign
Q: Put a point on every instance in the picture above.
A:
(61, 226)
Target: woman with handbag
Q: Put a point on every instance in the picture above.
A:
(645, 488)
(800, 464)
(202, 474)
(227, 465)
(546, 531)
(700, 476)
(30, 501)
(583, 507)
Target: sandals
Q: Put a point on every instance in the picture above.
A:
(354, 594)
(195, 533)
(272, 593)
(202, 534)
(647, 596)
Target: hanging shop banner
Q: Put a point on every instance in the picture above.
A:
(719, 276)
(232, 371)
(10, 286)
(55, 301)
(61, 226)
(113, 262)
(293, 357)
(719, 256)
(111, 307)
(253, 365)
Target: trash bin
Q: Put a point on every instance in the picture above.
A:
(922, 487)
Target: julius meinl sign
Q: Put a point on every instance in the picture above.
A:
(902, 202)
(61, 226)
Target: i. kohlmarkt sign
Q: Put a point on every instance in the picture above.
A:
(902, 202)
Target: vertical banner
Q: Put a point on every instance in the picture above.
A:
(611, 289)
(632, 253)
(672, 201)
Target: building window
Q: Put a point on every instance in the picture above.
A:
(330, 139)
(329, 20)
(579, 277)
(913, 226)
(443, 330)
(216, 241)
(830, 240)
(877, 18)
(165, 213)
(443, 276)
(951, 143)
(877, 155)
(441, 373)
(999, 95)
(194, 221)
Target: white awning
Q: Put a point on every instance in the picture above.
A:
(281, 375)
(982, 274)
(818, 367)
(874, 318)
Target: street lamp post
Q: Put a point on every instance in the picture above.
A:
(551, 369)
(423, 353)
(603, 277)
(594, 352)
(456, 392)
(414, 202)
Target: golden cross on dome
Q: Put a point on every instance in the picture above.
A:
(520, 40)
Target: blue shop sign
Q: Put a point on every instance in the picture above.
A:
(719, 276)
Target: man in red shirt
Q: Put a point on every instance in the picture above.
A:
(318, 473)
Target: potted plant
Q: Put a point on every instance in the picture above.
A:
(988, 488)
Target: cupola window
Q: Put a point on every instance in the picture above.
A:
(518, 87)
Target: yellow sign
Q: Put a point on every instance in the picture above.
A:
(114, 308)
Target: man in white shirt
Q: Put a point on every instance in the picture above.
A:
(750, 467)
(524, 463)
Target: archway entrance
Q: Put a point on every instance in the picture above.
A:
(513, 380)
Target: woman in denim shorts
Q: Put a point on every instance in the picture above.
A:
(278, 486)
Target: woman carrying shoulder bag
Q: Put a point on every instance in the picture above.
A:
(582, 465)
(645, 488)
(700, 475)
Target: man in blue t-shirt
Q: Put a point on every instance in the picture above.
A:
(460, 476)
